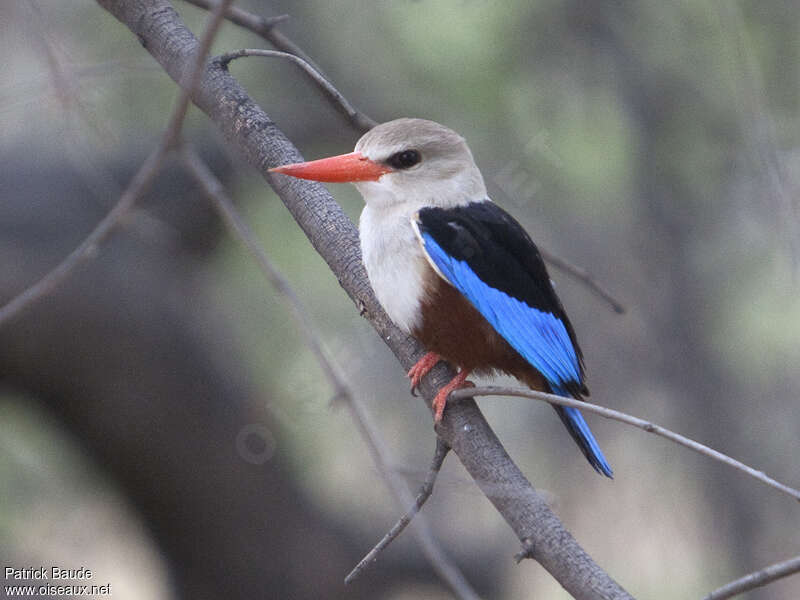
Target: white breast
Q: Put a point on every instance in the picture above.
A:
(395, 264)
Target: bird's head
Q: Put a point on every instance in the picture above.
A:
(403, 162)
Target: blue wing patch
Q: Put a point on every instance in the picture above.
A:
(540, 337)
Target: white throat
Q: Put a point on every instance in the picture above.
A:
(395, 262)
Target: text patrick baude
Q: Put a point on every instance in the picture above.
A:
(49, 573)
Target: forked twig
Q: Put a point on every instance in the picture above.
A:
(334, 95)
(422, 496)
(622, 417)
(266, 28)
(439, 561)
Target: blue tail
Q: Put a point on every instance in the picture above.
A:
(580, 432)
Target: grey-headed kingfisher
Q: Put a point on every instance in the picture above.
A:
(455, 270)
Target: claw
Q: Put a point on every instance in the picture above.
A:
(459, 381)
(421, 368)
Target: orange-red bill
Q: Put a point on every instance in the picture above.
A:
(336, 169)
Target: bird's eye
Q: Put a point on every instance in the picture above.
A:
(405, 159)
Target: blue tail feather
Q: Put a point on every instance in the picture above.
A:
(575, 423)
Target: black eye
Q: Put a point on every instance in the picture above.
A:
(404, 159)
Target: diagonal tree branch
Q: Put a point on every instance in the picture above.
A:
(213, 188)
(333, 235)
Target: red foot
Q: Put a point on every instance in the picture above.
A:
(421, 368)
(458, 381)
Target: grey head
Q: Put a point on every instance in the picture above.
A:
(431, 165)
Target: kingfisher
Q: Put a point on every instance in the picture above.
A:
(456, 271)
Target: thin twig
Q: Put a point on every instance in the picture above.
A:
(422, 496)
(757, 579)
(214, 189)
(266, 28)
(256, 23)
(616, 415)
(138, 185)
(436, 557)
(334, 95)
(197, 68)
(583, 276)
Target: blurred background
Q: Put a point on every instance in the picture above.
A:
(162, 422)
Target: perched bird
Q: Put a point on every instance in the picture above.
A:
(455, 270)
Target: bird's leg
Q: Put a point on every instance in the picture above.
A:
(421, 368)
(441, 398)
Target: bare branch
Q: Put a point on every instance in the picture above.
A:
(422, 496)
(216, 193)
(334, 95)
(333, 235)
(583, 276)
(757, 579)
(139, 184)
(616, 415)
